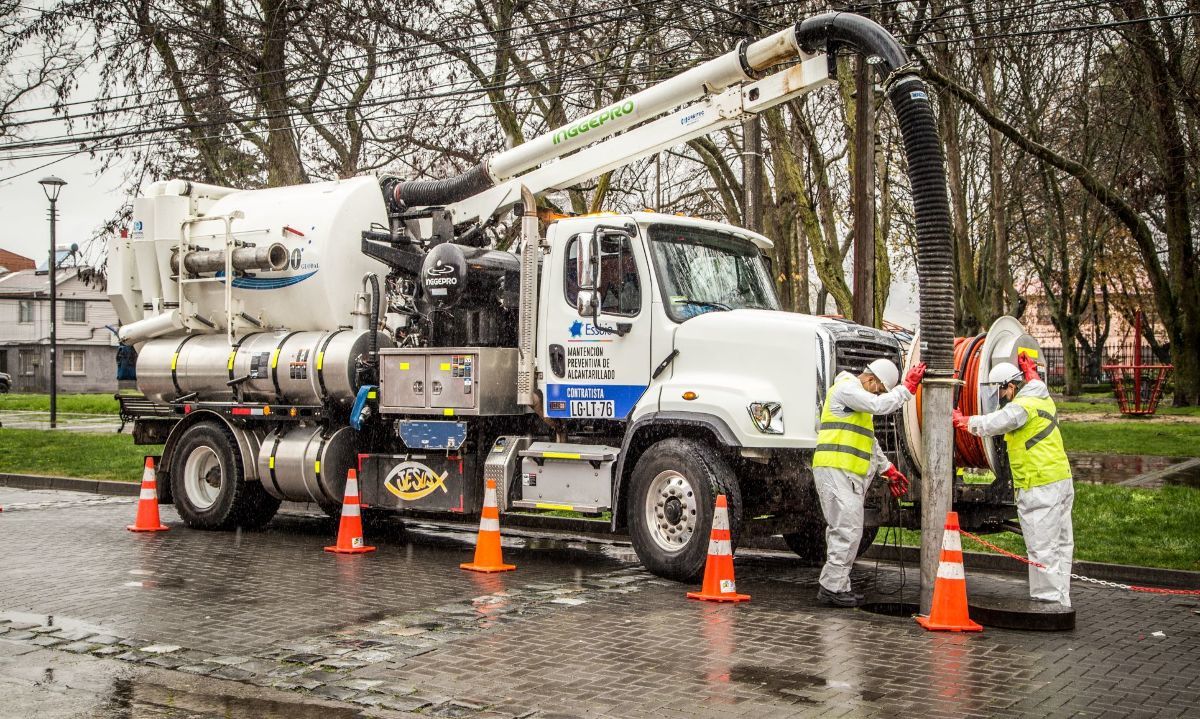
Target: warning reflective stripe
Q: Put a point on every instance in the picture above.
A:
(720, 520)
(951, 541)
(849, 428)
(148, 493)
(946, 570)
(489, 497)
(489, 525)
(1046, 431)
(351, 487)
(719, 547)
(350, 510)
(847, 449)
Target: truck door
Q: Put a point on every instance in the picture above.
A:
(598, 368)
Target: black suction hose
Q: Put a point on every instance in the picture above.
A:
(926, 169)
(433, 193)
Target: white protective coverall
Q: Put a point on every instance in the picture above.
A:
(842, 492)
(1045, 511)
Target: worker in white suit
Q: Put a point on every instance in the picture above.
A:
(846, 460)
(1041, 474)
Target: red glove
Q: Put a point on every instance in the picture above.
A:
(897, 482)
(1027, 366)
(913, 378)
(958, 419)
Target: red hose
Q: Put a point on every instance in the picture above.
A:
(968, 449)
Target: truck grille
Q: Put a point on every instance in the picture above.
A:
(853, 355)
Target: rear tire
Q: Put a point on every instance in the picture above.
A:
(672, 495)
(208, 485)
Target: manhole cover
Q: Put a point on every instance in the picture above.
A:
(891, 609)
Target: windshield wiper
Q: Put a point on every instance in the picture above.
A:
(702, 303)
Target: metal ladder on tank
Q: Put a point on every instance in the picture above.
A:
(185, 237)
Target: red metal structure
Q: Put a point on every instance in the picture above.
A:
(1138, 387)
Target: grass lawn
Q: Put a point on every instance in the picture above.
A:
(82, 403)
(1122, 525)
(1132, 437)
(73, 454)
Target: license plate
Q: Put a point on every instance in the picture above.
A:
(593, 408)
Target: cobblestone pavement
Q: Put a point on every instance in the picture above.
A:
(578, 631)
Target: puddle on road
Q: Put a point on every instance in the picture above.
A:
(134, 697)
(1114, 468)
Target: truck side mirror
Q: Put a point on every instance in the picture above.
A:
(587, 302)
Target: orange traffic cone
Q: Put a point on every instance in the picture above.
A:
(487, 547)
(147, 511)
(718, 570)
(949, 610)
(350, 531)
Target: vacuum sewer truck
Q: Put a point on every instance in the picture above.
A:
(633, 365)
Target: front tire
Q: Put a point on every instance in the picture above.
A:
(208, 485)
(673, 491)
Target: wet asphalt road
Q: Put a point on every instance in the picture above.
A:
(98, 622)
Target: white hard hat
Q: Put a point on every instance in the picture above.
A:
(1004, 373)
(886, 371)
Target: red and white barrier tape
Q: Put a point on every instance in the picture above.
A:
(1080, 577)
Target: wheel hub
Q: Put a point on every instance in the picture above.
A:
(203, 477)
(671, 510)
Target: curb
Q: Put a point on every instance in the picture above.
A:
(1124, 573)
(70, 484)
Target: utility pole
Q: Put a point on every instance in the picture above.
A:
(52, 186)
(751, 147)
(864, 192)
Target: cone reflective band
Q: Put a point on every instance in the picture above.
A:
(147, 519)
(488, 554)
(948, 612)
(719, 584)
(350, 531)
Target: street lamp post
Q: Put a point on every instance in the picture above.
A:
(52, 186)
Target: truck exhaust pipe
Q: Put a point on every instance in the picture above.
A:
(272, 257)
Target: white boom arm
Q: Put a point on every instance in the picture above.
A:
(728, 97)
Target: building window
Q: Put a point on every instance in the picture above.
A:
(25, 312)
(27, 362)
(72, 362)
(74, 311)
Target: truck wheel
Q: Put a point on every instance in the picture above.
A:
(208, 484)
(672, 494)
(809, 543)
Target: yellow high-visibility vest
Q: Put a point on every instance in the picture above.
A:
(844, 442)
(1035, 451)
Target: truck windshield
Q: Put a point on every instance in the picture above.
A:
(704, 271)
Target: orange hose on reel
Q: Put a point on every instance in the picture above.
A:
(968, 449)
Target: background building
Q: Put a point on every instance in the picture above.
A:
(87, 348)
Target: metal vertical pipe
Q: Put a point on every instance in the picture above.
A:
(937, 437)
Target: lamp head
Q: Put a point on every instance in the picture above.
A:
(52, 186)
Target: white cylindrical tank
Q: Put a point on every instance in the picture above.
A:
(320, 225)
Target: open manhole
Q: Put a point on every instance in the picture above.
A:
(891, 609)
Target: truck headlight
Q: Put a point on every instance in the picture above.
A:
(767, 417)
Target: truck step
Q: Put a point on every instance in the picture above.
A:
(573, 477)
